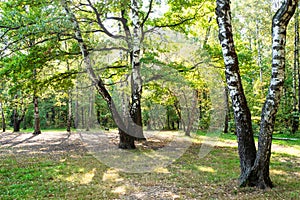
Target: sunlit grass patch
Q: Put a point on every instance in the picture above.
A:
(82, 176)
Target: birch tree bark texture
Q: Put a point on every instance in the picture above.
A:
(257, 175)
(136, 80)
(260, 170)
(242, 116)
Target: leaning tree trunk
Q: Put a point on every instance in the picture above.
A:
(242, 116)
(260, 170)
(136, 80)
(126, 139)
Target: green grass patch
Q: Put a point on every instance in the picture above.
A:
(79, 175)
(287, 142)
(43, 178)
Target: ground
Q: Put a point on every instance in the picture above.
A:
(84, 165)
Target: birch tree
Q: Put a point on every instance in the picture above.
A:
(254, 165)
(126, 140)
(136, 85)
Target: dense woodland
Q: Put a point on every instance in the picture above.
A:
(150, 65)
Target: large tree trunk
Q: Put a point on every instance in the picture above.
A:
(37, 128)
(3, 117)
(242, 116)
(260, 170)
(136, 80)
(126, 139)
(16, 120)
(125, 142)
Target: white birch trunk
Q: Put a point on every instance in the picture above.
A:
(136, 80)
(279, 27)
(242, 115)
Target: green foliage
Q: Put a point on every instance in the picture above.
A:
(103, 115)
(37, 43)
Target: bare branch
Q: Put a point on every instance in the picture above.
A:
(148, 13)
(100, 23)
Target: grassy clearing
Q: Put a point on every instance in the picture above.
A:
(81, 176)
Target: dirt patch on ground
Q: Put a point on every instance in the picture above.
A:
(57, 143)
(64, 142)
(54, 143)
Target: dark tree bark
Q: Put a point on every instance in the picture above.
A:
(53, 112)
(242, 116)
(126, 141)
(3, 118)
(178, 112)
(17, 120)
(24, 123)
(168, 118)
(82, 117)
(37, 127)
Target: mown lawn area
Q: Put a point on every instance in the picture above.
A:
(79, 175)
